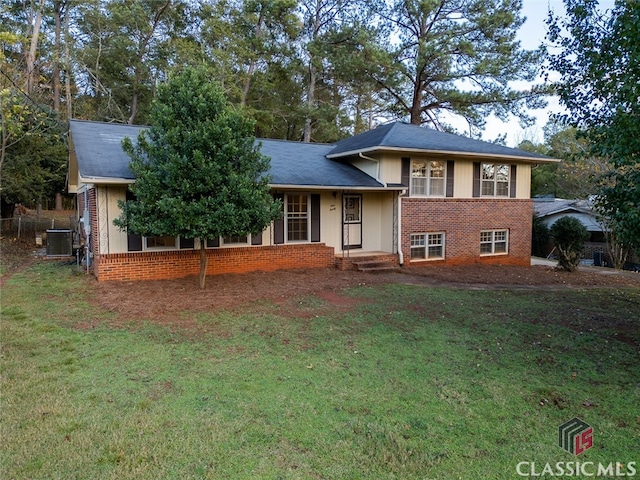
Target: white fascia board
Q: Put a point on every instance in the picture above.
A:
(485, 156)
(335, 187)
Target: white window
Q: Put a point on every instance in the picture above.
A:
(297, 218)
(495, 180)
(494, 242)
(428, 178)
(427, 246)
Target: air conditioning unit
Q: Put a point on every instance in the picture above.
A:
(59, 243)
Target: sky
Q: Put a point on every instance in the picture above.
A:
(531, 35)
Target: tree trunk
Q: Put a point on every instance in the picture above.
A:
(203, 263)
(31, 53)
(57, 85)
(311, 100)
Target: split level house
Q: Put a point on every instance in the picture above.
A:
(400, 193)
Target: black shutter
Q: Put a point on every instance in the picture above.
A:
(476, 179)
(186, 243)
(406, 173)
(315, 218)
(278, 225)
(134, 243)
(256, 239)
(512, 182)
(449, 173)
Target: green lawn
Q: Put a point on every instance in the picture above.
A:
(413, 382)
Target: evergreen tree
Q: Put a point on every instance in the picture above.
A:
(199, 173)
(599, 61)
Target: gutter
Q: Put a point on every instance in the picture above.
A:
(377, 162)
(400, 254)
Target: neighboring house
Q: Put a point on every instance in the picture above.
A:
(550, 209)
(399, 193)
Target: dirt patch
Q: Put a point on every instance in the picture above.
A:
(287, 293)
(504, 276)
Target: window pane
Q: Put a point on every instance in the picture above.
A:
(235, 239)
(161, 242)
(417, 239)
(418, 186)
(500, 247)
(435, 252)
(487, 187)
(486, 236)
(488, 171)
(436, 169)
(417, 252)
(485, 248)
(419, 169)
(297, 218)
(297, 229)
(502, 173)
(436, 187)
(502, 189)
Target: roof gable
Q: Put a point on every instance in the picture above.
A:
(408, 137)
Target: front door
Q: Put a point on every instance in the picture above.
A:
(351, 221)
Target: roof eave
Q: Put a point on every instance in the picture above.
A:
(443, 152)
(105, 180)
(380, 188)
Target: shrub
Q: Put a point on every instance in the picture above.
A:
(539, 237)
(569, 235)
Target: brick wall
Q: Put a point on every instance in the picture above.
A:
(462, 220)
(182, 263)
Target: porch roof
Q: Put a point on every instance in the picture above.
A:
(405, 137)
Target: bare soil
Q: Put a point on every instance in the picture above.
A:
(163, 300)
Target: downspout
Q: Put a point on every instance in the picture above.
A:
(400, 255)
(377, 162)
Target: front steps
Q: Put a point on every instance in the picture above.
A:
(383, 263)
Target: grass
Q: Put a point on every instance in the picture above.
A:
(413, 382)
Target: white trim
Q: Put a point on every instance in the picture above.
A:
(145, 248)
(426, 245)
(493, 242)
(307, 217)
(427, 179)
(446, 152)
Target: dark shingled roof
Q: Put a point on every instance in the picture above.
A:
(98, 148)
(295, 163)
(404, 136)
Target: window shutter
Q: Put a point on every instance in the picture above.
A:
(315, 217)
(256, 239)
(512, 182)
(278, 225)
(186, 243)
(449, 173)
(134, 243)
(476, 179)
(406, 173)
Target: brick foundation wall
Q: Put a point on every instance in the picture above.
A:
(462, 220)
(183, 263)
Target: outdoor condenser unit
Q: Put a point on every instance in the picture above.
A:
(59, 243)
